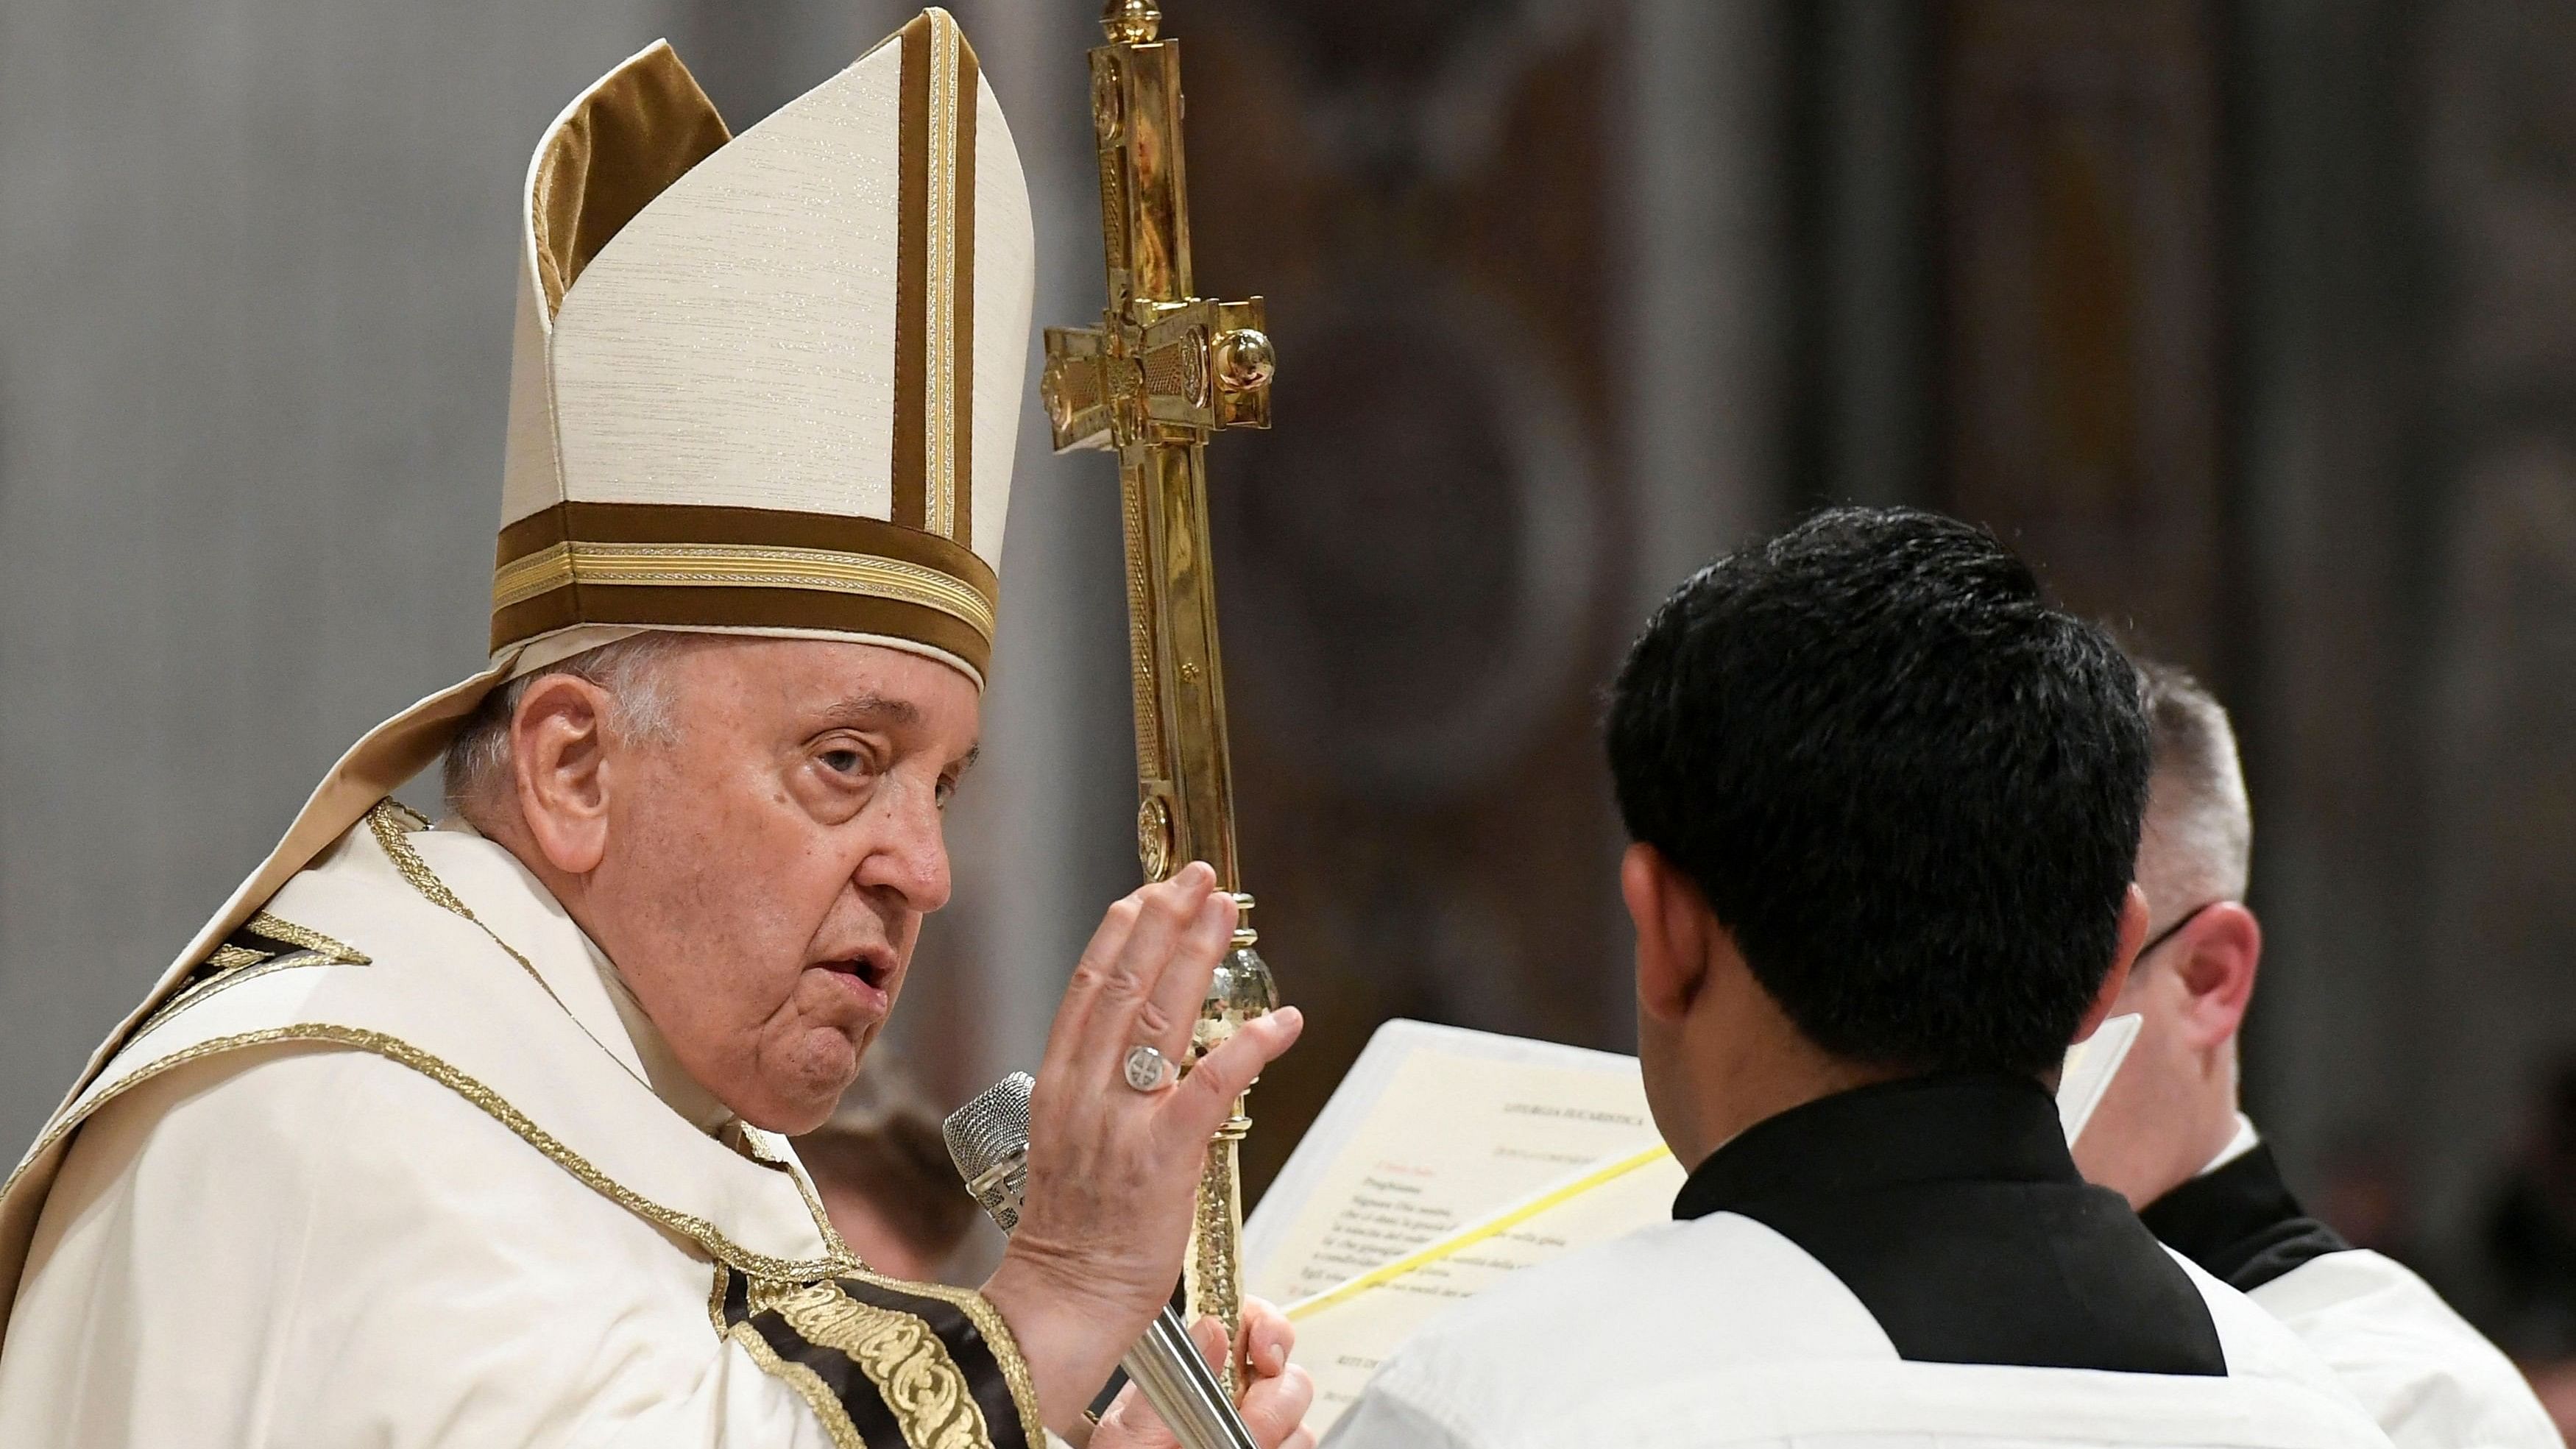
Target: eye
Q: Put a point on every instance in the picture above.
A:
(946, 792)
(845, 762)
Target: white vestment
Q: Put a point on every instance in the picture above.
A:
(2431, 1380)
(1724, 1330)
(433, 1197)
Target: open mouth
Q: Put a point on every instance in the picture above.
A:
(873, 969)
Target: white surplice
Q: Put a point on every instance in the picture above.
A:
(430, 1198)
(1722, 1332)
(2429, 1378)
(1961, 1235)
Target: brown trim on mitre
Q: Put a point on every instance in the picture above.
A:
(701, 566)
(911, 272)
(934, 356)
(623, 143)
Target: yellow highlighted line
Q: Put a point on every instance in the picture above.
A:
(1466, 1238)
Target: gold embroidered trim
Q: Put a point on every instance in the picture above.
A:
(939, 368)
(911, 1369)
(978, 1309)
(402, 1053)
(278, 928)
(987, 1319)
(227, 956)
(715, 565)
(818, 1396)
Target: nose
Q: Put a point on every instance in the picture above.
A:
(909, 857)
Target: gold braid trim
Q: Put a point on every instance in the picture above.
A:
(911, 1369)
(395, 1049)
(216, 985)
(386, 822)
(278, 928)
(231, 965)
(390, 821)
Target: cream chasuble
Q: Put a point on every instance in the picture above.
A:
(392, 1170)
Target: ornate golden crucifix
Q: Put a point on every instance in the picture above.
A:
(1162, 371)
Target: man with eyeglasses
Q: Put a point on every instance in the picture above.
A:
(2170, 1136)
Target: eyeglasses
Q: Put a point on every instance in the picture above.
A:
(2169, 932)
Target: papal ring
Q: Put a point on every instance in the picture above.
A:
(1147, 1069)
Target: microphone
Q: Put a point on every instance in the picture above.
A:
(988, 1139)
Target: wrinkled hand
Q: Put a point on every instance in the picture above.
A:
(1276, 1392)
(1113, 1172)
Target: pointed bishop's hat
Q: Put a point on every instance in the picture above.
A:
(763, 384)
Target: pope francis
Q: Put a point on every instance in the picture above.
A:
(469, 1134)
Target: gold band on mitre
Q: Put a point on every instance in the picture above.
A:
(682, 566)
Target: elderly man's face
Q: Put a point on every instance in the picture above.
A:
(766, 872)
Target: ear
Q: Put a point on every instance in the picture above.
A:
(558, 770)
(2219, 952)
(1673, 925)
(2133, 934)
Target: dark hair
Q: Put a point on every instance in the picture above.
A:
(1908, 787)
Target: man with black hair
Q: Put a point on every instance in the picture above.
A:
(1885, 802)
(2169, 1136)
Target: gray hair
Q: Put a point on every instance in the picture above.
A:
(478, 759)
(2199, 826)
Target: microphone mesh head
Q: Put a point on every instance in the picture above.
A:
(992, 1129)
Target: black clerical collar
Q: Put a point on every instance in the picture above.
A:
(1950, 1208)
(1983, 1127)
(2240, 1223)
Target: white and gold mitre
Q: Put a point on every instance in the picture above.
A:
(763, 384)
(768, 384)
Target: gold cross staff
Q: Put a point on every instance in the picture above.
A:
(1162, 371)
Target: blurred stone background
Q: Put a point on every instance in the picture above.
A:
(2254, 324)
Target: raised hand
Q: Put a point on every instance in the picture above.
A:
(1113, 1170)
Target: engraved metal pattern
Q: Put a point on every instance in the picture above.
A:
(1147, 1069)
(1154, 838)
(1140, 644)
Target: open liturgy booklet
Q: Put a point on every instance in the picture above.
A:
(1448, 1158)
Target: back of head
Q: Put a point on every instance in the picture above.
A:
(1909, 788)
(2199, 838)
